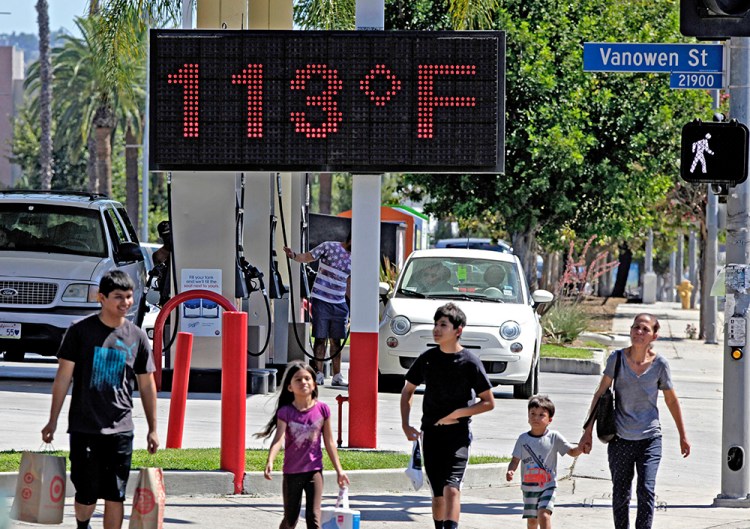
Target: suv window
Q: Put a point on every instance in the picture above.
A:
(52, 229)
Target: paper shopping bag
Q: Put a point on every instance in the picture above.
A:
(40, 489)
(340, 516)
(149, 500)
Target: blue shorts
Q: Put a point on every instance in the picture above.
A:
(100, 466)
(329, 319)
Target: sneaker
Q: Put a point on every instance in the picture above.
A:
(319, 378)
(338, 380)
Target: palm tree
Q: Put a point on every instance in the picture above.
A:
(89, 104)
(45, 95)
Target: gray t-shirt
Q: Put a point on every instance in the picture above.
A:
(637, 415)
(538, 457)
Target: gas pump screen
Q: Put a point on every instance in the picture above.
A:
(357, 101)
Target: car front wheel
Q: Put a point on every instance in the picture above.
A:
(530, 387)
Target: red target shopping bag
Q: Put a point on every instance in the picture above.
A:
(40, 489)
(149, 500)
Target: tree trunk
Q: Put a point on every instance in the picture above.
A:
(91, 164)
(132, 202)
(524, 244)
(104, 124)
(625, 258)
(325, 193)
(45, 96)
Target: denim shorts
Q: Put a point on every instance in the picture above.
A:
(100, 466)
(329, 319)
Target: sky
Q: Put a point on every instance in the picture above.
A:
(22, 18)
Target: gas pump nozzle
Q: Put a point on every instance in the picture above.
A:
(252, 273)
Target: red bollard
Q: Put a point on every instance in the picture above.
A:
(233, 395)
(178, 399)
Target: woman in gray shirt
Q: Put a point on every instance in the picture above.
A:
(637, 445)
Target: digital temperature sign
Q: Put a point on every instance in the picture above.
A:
(356, 101)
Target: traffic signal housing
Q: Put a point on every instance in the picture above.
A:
(714, 153)
(715, 19)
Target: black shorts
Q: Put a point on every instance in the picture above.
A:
(100, 466)
(329, 319)
(446, 455)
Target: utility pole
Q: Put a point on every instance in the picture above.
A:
(735, 443)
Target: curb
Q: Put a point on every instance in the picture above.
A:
(573, 366)
(220, 483)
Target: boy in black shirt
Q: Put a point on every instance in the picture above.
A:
(453, 378)
(103, 355)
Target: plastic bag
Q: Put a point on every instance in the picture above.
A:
(414, 468)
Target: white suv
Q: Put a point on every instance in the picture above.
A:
(54, 248)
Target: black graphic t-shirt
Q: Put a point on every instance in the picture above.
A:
(107, 361)
(452, 381)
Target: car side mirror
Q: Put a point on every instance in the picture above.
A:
(383, 290)
(541, 296)
(128, 252)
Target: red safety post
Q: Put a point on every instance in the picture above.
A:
(363, 390)
(180, 380)
(164, 314)
(233, 395)
(341, 400)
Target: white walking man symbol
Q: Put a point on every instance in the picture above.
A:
(699, 147)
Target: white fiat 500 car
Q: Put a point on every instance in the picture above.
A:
(502, 328)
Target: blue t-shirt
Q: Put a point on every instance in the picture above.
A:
(637, 413)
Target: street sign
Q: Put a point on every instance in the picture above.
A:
(357, 101)
(700, 81)
(653, 58)
(714, 152)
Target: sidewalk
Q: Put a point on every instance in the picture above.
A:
(686, 488)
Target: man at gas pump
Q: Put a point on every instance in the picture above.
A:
(330, 311)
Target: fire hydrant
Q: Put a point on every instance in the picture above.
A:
(684, 289)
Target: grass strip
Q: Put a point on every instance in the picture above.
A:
(206, 459)
(549, 350)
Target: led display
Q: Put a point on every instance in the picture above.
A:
(357, 101)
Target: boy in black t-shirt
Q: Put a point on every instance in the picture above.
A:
(104, 355)
(453, 377)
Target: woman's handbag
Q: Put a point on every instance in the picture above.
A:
(604, 410)
(40, 489)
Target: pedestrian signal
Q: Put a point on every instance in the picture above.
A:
(714, 152)
(715, 19)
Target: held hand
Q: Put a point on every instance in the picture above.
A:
(509, 475)
(343, 479)
(586, 442)
(153, 442)
(48, 432)
(267, 471)
(684, 447)
(288, 251)
(412, 434)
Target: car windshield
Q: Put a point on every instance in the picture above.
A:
(461, 278)
(51, 229)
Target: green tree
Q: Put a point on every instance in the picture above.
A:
(585, 153)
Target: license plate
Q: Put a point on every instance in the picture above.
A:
(10, 331)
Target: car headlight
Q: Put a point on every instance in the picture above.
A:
(510, 330)
(81, 293)
(400, 325)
